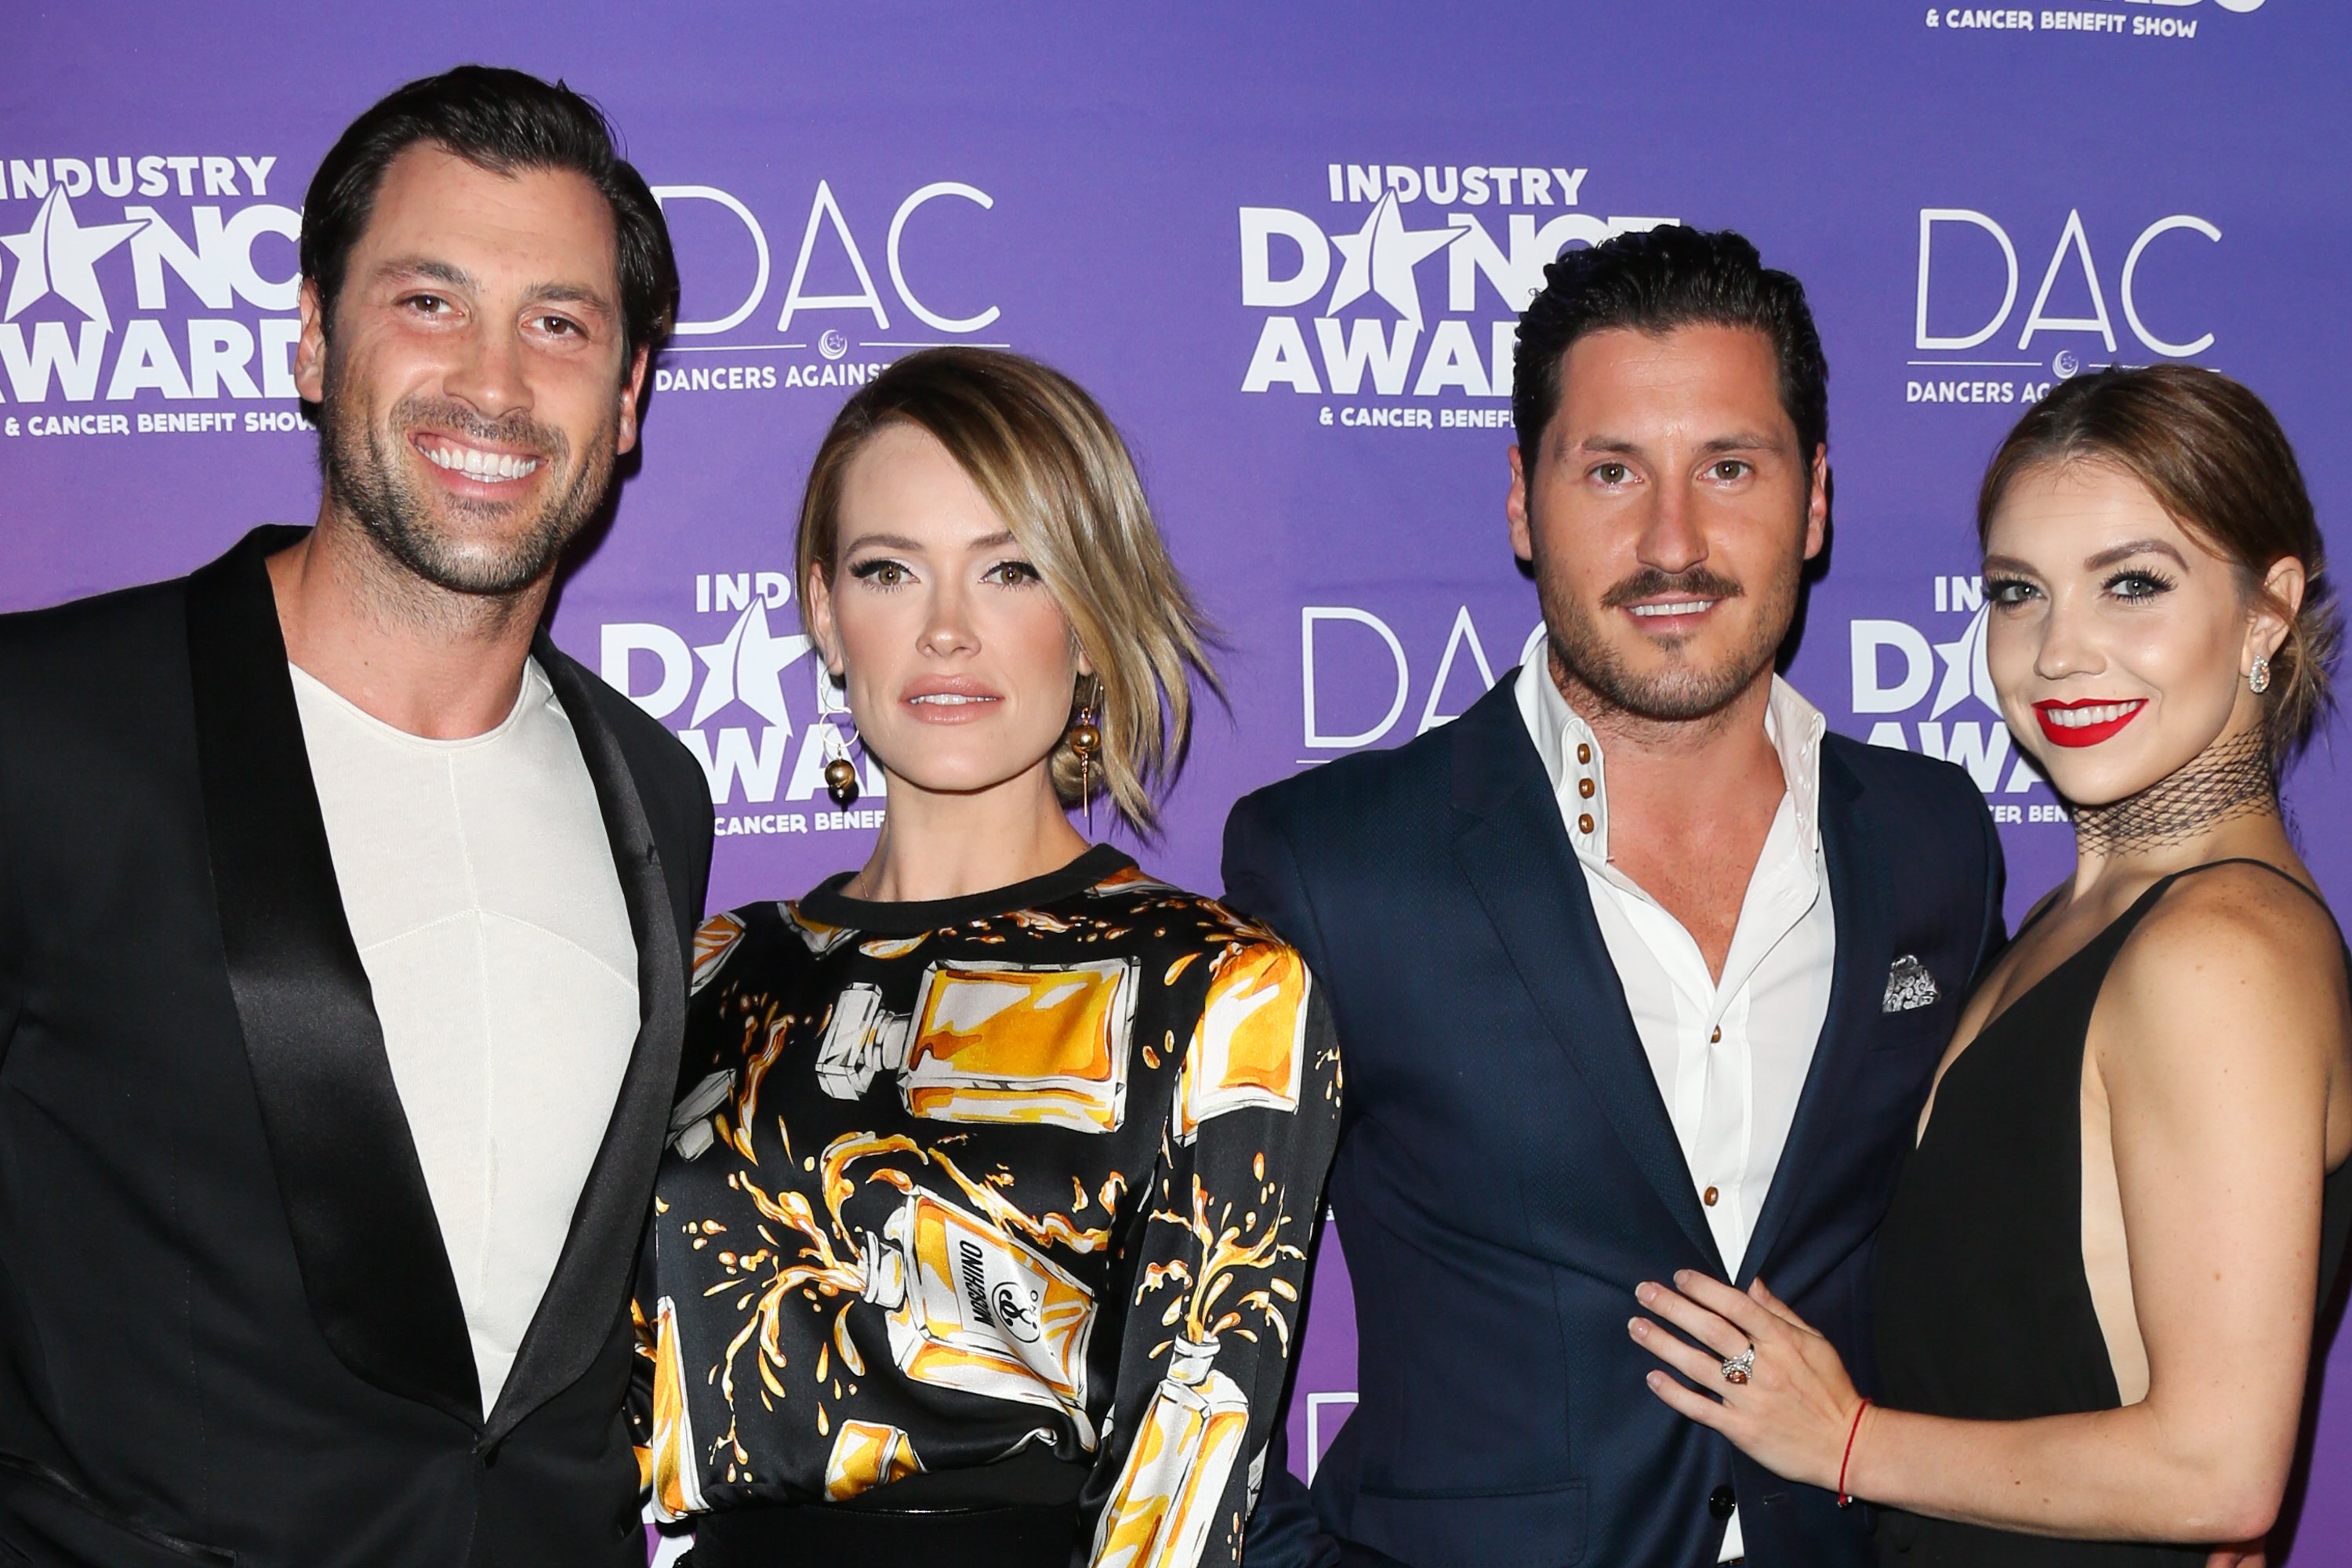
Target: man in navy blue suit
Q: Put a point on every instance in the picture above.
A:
(1636, 968)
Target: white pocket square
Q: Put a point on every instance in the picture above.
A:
(1909, 986)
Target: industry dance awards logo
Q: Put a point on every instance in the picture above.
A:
(1927, 689)
(741, 689)
(2142, 293)
(1394, 292)
(829, 323)
(146, 294)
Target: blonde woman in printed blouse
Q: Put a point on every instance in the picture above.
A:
(982, 1234)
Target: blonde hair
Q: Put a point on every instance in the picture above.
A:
(1050, 465)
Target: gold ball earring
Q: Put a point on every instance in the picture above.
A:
(840, 773)
(1085, 741)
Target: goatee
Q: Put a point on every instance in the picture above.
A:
(364, 474)
(1680, 692)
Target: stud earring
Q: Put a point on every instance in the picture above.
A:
(840, 772)
(1086, 741)
(2258, 679)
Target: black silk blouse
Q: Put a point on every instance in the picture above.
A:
(1028, 1172)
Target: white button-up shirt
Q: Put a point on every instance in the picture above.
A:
(1730, 1056)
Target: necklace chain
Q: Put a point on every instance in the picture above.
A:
(2230, 778)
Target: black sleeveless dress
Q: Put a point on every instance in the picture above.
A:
(1984, 1309)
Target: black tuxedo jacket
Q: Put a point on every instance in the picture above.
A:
(1508, 1170)
(228, 1328)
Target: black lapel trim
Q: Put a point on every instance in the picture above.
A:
(1515, 852)
(373, 1263)
(589, 1289)
(1860, 903)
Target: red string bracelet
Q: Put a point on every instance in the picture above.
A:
(1845, 1497)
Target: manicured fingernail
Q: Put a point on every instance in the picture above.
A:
(1682, 1276)
(1638, 1329)
(1656, 1380)
(1645, 1292)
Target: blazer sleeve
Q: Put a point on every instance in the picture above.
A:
(686, 806)
(1262, 880)
(698, 907)
(1993, 934)
(12, 929)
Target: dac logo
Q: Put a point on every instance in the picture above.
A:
(1343, 683)
(739, 726)
(2071, 254)
(1362, 291)
(119, 298)
(1898, 669)
(829, 247)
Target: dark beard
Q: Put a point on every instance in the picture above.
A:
(1681, 692)
(364, 477)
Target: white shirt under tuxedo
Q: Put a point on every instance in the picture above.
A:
(478, 881)
(1730, 1056)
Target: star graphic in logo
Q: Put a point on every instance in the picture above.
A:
(744, 667)
(1966, 674)
(57, 255)
(1380, 258)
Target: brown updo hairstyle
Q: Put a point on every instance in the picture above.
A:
(1052, 465)
(2214, 457)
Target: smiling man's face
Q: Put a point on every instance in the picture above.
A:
(1668, 513)
(474, 389)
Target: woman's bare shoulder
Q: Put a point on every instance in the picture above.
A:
(2242, 953)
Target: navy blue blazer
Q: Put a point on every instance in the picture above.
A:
(1507, 1171)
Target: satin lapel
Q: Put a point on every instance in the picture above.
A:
(1859, 904)
(372, 1261)
(590, 1286)
(1514, 850)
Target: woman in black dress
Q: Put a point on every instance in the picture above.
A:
(2099, 1280)
(982, 1230)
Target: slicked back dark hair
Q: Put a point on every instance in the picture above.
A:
(504, 122)
(1657, 280)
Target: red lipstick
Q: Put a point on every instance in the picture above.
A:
(2088, 723)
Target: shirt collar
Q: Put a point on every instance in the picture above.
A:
(1572, 758)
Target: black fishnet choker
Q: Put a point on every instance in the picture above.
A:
(2230, 778)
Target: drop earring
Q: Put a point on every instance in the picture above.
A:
(840, 772)
(1086, 741)
(2258, 679)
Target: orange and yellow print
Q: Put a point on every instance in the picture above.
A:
(1168, 1492)
(714, 939)
(968, 1185)
(966, 1305)
(1174, 1483)
(1250, 1046)
(672, 1466)
(973, 1310)
(865, 1455)
(1009, 1043)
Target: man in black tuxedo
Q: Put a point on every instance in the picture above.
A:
(1635, 967)
(344, 923)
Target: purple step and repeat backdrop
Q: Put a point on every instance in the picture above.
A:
(1285, 251)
